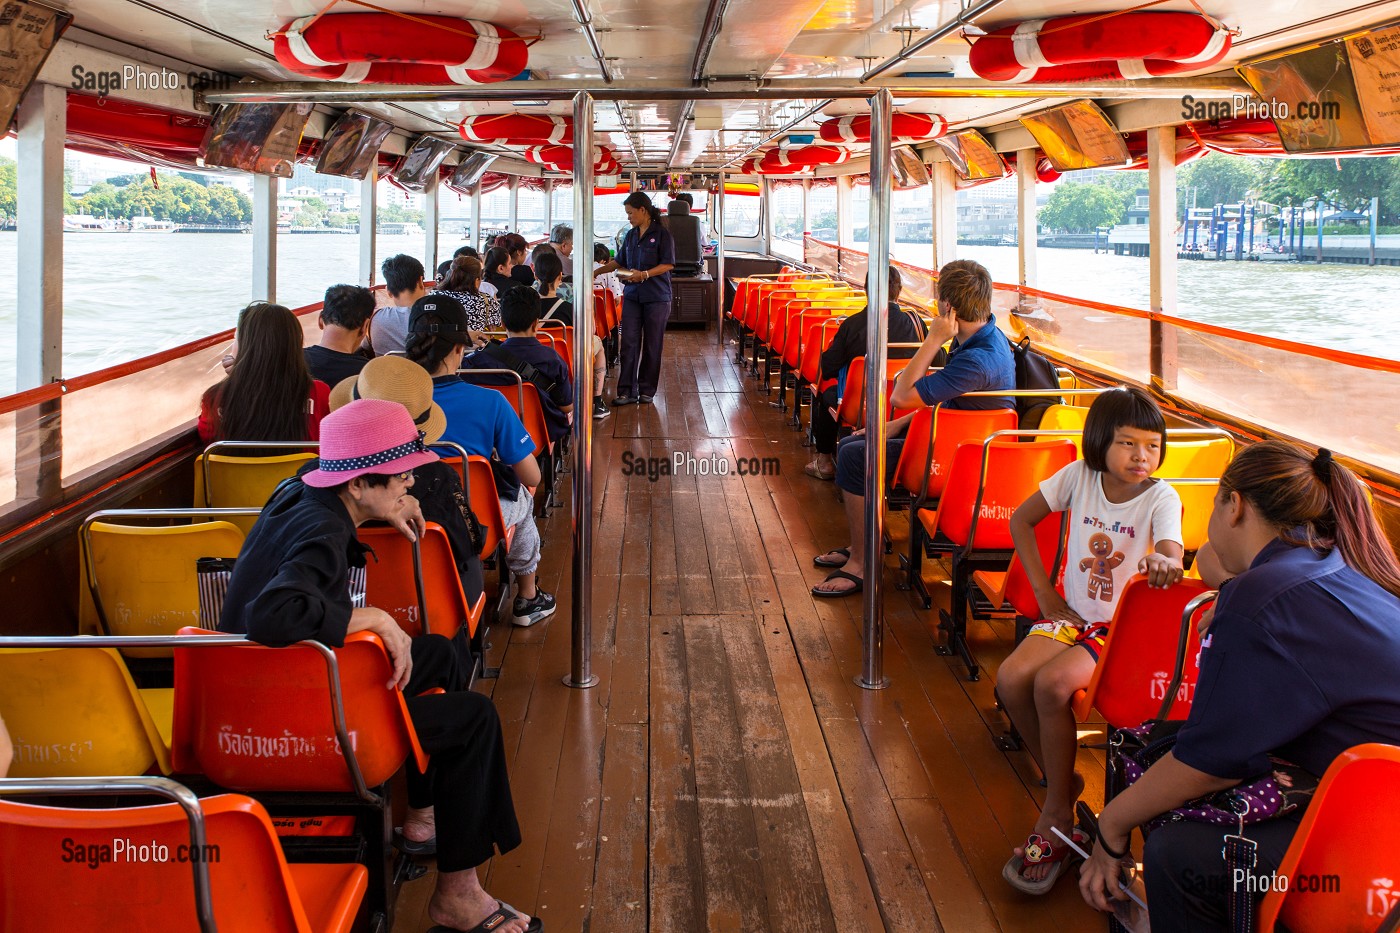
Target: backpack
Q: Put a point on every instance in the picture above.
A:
(496, 351)
(1033, 371)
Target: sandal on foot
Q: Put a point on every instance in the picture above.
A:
(412, 846)
(836, 594)
(503, 913)
(1040, 851)
(817, 472)
(845, 553)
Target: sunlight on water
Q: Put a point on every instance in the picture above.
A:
(130, 294)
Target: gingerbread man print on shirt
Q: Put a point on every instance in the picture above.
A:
(1100, 567)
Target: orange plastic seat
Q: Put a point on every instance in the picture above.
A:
(987, 483)
(1148, 634)
(254, 718)
(251, 887)
(1345, 847)
(923, 470)
(394, 577)
(1013, 587)
(561, 338)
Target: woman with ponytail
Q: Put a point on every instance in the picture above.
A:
(1299, 664)
(644, 263)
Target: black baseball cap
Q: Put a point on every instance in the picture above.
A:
(453, 317)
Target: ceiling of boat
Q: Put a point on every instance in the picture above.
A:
(660, 40)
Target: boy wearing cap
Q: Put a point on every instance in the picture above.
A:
(291, 584)
(483, 423)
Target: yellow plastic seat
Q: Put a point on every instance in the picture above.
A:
(242, 482)
(1066, 418)
(1197, 501)
(142, 580)
(75, 712)
(1204, 457)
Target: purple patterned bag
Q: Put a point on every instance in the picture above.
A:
(1286, 787)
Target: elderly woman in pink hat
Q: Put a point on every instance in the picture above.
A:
(291, 584)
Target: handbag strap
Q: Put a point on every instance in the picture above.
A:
(1241, 854)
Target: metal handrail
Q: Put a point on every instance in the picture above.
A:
(85, 538)
(247, 445)
(342, 731)
(158, 786)
(519, 380)
(1182, 640)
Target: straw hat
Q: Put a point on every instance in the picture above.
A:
(367, 436)
(396, 379)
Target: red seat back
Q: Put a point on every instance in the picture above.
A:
(1135, 668)
(485, 503)
(955, 427)
(254, 718)
(819, 336)
(391, 582)
(1049, 540)
(52, 881)
(1343, 864)
(799, 332)
(850, 411)
(975, 509)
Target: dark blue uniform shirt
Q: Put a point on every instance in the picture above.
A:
(640, 252)
(982, 363)
(1302, 661)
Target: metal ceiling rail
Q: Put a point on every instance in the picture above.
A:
(585, 19)
(334, 93)
(965, 18)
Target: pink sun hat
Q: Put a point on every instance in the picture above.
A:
(368, 436)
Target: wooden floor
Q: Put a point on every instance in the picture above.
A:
(726, 774)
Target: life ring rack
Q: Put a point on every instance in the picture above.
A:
(518, 129)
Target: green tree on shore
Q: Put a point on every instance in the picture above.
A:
(1080, 207)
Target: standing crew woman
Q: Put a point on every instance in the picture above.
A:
(644, 263)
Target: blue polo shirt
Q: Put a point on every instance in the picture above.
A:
(550, 364)
(482, 421)
(643, 253)
(982, 363)
(1300, 662)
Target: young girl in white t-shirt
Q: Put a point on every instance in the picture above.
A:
(1121, 522)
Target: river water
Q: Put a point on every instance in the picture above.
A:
(130, 294)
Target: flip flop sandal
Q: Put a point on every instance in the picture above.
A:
(1040, 851)
(845, 553)
(413, 847)
(503, 913)
(837, 594)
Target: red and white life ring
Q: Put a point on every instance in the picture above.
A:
(1098, 47)
(856, 128)
(517, 129)
(806, 155)
(561, 158)
(379, 48)
(761, 165)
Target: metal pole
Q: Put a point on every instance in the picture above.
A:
(877, 287)
(719, 255)
(475, 238)
(581, 661)
(1319, 230)
(1161, 262)
(1375, 210)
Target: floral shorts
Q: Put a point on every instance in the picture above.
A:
(1091, 639)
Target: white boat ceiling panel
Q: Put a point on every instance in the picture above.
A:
(655, 40)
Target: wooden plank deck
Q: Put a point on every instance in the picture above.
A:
(726, 774)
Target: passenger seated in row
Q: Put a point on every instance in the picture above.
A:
(344, 320)
(291, 584)
(483, 423)
(1298, 664)
(980, 360)
(1122, 521)
(517, 246)
(403, 280)
(269, 394)
(549, 270)
(463, 283)
(496, 279)
(561, 239)
(523, 353)
(435, 485)
(902, 325)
